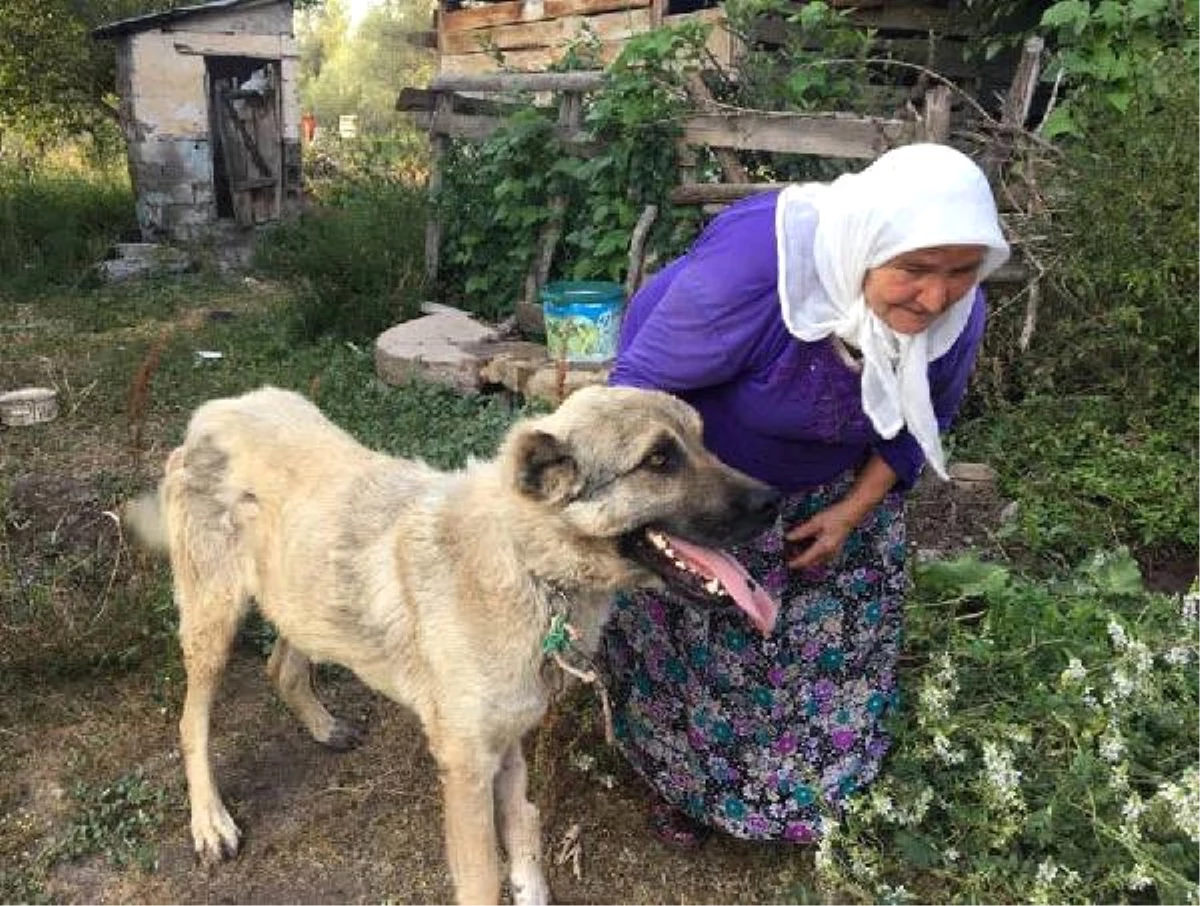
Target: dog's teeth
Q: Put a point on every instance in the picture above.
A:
(658, 541)
(712, 586)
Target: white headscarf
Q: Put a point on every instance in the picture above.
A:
(914, 197)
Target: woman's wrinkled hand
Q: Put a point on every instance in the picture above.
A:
(819, 540)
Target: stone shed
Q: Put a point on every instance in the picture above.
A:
(211, 115)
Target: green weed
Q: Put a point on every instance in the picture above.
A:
(118, 821)
(1090, 472)
(55, 225)
(357, 262)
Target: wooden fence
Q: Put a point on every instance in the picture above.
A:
(461, 106)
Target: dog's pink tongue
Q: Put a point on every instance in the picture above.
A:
(746, 593)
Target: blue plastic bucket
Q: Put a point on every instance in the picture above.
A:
(583, 319)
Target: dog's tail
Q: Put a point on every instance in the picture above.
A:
(143, 517)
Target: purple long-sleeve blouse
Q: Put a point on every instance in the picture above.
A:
(708, 328)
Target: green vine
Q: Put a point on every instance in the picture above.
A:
(1112, 52)
(498, 195)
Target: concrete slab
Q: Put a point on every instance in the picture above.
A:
(432, 347)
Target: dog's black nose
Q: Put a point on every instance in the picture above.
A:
(763, 503)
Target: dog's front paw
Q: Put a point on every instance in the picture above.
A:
(214, 834)
(529, 888)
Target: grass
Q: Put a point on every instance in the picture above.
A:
(56, 223)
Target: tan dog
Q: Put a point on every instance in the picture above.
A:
(438, 589)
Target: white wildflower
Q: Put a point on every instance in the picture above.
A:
(1179, 656)
(582, 761)
(825, 859)
(1141, 657)
(937, 692)
(913, 812)
(1118, 780)
(1000, 783)
(1052, 882)
(952, 855)
(1089, 698)
(862, 865)
(1075, 673)
(1116, 634)
(1189, 607)
(881, 805)
(1138, 877)
(946, 752)
(1122, 687)
(1131, 813)
(1112, 744)
(889, 894)
(1183, 802)
(1047, 871)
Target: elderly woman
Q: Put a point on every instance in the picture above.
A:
(826, 334)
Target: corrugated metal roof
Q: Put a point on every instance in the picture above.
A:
(152, 20)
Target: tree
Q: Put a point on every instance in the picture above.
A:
(361, 69)
(54, 77)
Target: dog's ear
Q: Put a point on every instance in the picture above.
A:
(545, 469)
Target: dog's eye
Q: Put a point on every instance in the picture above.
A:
(664, 457)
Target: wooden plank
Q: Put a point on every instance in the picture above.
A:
(827, 135)
(899, 15)
(513, 11)
(548, 32)
(944, 55)
(518, 81)
(268, 47)
(720, 192)
(433, 224)
(534, 61)
(412, 100)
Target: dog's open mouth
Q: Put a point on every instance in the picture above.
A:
(705, 573)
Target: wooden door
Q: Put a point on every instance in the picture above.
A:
(247, 118)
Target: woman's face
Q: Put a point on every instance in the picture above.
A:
(909, 291)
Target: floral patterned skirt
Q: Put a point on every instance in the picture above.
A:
(763, 737)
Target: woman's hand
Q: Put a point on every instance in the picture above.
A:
(819, 540)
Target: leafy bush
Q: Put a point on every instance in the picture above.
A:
(57, 222)
(1121, 316)
(1048, 753)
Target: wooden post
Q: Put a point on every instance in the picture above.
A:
(936, 125)
(438, 141)
(731, 168)
(1020, 94)
(637, 249)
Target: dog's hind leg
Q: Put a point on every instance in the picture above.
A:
(521, 827)
(291, 672)
(207, 624)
